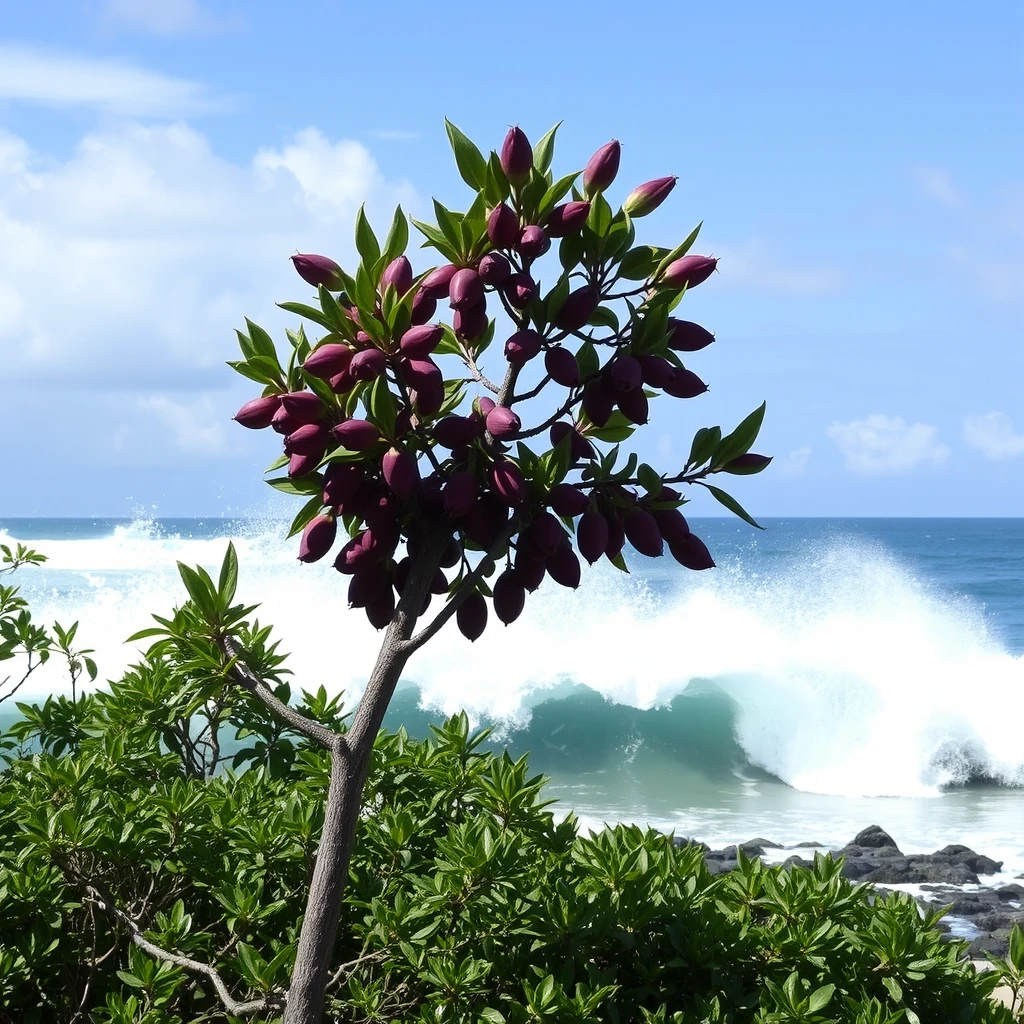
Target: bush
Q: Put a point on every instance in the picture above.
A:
(467, 902)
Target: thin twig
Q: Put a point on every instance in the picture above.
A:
(231, 1004)
(245, 677)
(475, 372)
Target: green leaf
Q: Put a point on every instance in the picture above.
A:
(309, 312)
(450, 225)
(555, 298)
(252, 372)
(588, 360)
(740, 440)
(554, 194)
(544, 151)
(245, 344)
(497, 187)
(307, 513)
(731, 504)
(638, 264)
(398, 237)
(262, 342)
(469, 159)
(381, 406)
(599, 220)
(312, 484)
(366, 241)
(679, 251)
(570, 252)
(650, 480)
(704, 443)
(1016, 951)
(894, 989)
(820, 998)
(437, 239)
(604, 316)
(620, 563)
(228, 581)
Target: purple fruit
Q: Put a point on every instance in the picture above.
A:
(599, 401)
(466, 289)
(672, 525)
(365, 549)
(634, 406)
(421, 374)
(436, 284)
(317, 538)
(327, 361)
(601, 168)
(616, 537)
(459, 493)
(383, 509)
(503, 227)
(625, 373)
(568, 501)
(529, 570)
(356, 435)
(482, 406)
(486, 521)
(745, 465)
(522, 346)
(533, 242)
(579, 446)
(686, 336)
(685, 384)
(282, 422)
(502, 423)
(368, 585)
(494, 269)
(692, 553)
(509, 597)
(439, 584)
(424, 306)
(302, 465)
(643, 533)
(519, 290)
(545, 533)
(567, 219)
(452, 554)
(398, 274)
(577, 309)
(303, 406)
(309, 439)
(471, 616)
(592, 535)
(400, 472)
(646, 198)
(564, 567)
(508, 482)
(341, 481)
(317, 270)
(453, 431)
(342, 383)
(419, 342)
(516, 156)
(657, 372)
(688, 271)
(259, 412)
(380, 611)
(368, 364)
(470, 324)
(427, 401)
(562, 367)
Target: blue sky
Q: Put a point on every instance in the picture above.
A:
(859, 170)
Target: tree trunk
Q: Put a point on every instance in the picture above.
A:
(350, 765)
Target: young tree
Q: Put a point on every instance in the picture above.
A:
(470, 485)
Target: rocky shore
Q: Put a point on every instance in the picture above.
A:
(954, 875)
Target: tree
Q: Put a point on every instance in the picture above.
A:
(489, 486)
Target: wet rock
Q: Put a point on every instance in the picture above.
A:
(979, 864)
(874, 837)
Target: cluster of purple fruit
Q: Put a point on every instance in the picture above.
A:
(478, 495)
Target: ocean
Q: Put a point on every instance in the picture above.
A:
(828, 675)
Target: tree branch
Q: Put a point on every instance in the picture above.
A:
(230, 1003)
(460, 595)
(246, 678)
(475, 372)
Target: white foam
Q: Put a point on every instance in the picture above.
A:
(850, 677)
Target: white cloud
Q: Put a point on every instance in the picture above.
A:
(760, 265)
(131, 262)
(937, 184)
(795, 463)
(196, 425)
(170, 17)
(879, 445)
(992, 434)
(56, 79)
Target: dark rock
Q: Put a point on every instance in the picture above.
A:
(979, 864)
(807, 846)
(970, 905)
(721, 867)
(764, 844)
(995, 923)
(1010, 892)
(988, 944)
(874, 837)
(797, 862)
(855, 869)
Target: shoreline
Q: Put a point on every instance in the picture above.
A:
(984, 902)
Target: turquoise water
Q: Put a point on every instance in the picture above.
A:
(829, 673)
